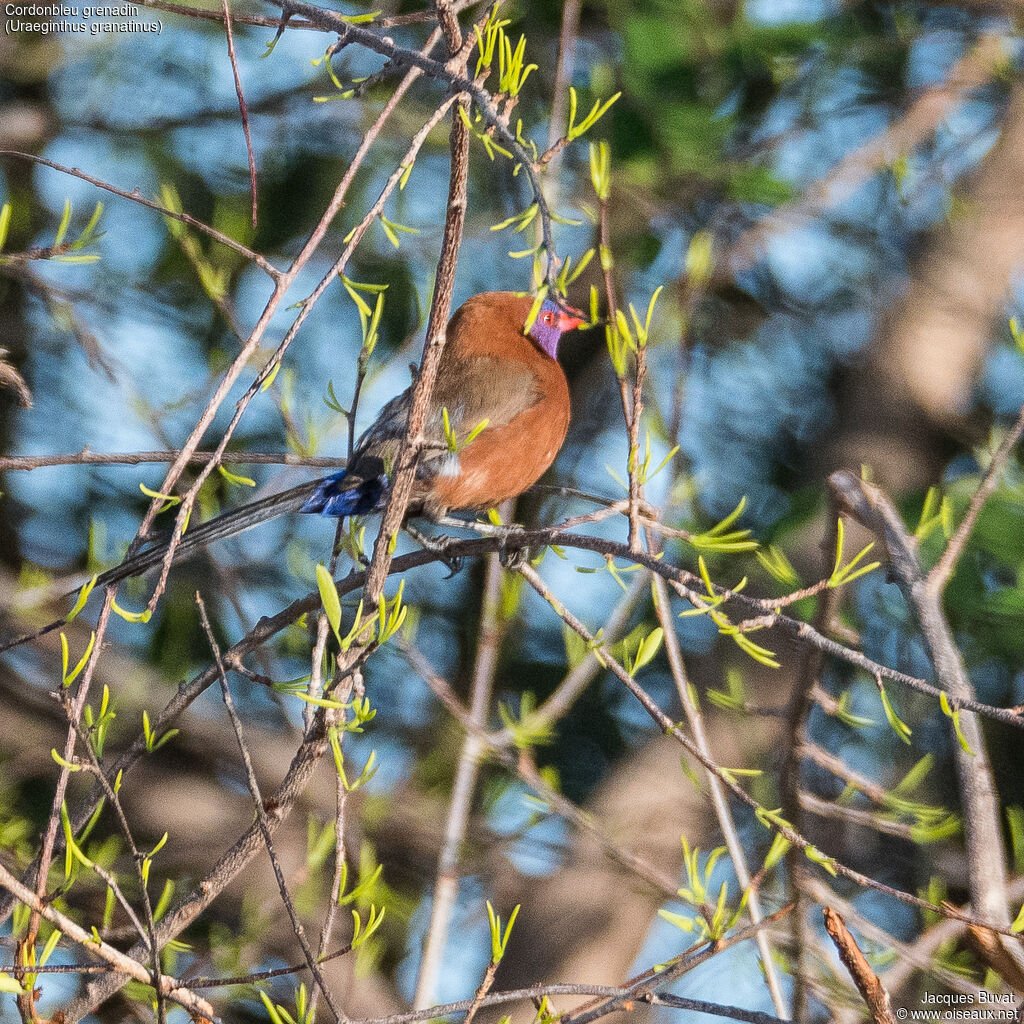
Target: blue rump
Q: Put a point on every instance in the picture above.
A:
(331, 499)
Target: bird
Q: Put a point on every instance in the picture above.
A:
(500, 400)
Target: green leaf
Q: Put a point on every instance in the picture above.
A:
(88, 234)
(898, 726)
(392, 228)
(1018, 922)
(169, 500)
(600, 172)
(272, 1010)
(779, 848)
(144, 616)
(359, 19)
(843, 574)
(777, 565)
(10, 985)
(330, 599)
(720, 538)
(828, 863)
(954, 717)
(597, 111)
(69, 677)
(531, 319)
(5, 224)
(521, 220)
(83, 596)
(499, 938)
(648, 649)
(62, 227)
(234, 478)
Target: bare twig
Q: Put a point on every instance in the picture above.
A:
(523, 766)
(910, 957)
(670, 727)
(242, 109)
(870, 988)
(979, 797)
(481, 992)
(85, 457)
(137, 859)
(261, 815)
(650, 981)
(918, 122)
(282, 286)
(943, 568)
(446, 884)
(171, 987)
(808, 683)
(136, 196)
(719, 801)
(405, 467)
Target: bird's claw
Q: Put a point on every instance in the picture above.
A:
(453, 563)
(437, 546)
(513, 558)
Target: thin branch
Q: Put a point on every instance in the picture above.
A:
(978, 794)
(283, 284)
(943, 568)
(686, 586)
(650, 981)
(701, 1006)
(802, 702)
(917, 955)
(458, 82)
(446, 884)
(854, 816)
(41, 869)
(433, 346)
(670, 727)
(258, 976)
(242, 109)
(136, 196)
(481, 992)
(922, 118)
(335, 715)
(871, 989)
(521, 764)
(86, 457)
(262, 21)
(171, 987)
(137, 859)
(719, 801)
(261, 815)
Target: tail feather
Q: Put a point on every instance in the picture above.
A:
(338, 495)
(226, 525)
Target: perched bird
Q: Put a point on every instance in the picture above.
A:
(496, 385)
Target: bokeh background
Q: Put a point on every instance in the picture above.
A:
(830, 195)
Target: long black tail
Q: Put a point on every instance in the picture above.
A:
(226, 525)
(338, 496)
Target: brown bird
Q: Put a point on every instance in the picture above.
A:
(506, 404)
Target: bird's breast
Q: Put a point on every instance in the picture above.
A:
(505, 459)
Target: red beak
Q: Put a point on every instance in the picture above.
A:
(571, 320)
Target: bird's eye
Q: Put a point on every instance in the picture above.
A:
(548, 318)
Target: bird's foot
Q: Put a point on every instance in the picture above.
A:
(510, 557)
(436, 546)
(513, 558)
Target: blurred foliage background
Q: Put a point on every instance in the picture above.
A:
(828, 193)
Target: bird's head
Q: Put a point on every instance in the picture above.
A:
(552, 321)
